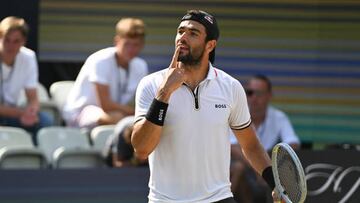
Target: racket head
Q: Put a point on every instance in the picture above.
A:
(288, 174)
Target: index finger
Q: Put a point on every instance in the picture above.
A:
(175, 57)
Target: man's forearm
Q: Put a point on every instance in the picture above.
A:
(252, 149)
(12, 112)
(257, 157)
(145, 138)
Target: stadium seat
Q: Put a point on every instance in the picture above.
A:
(114, 137)
(42, 95)
(100, 134)
(66, 147)
(46, 104)
(77, 158)
(17, 150)
(59, 91)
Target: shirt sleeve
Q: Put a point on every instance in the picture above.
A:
(32, 75)
(144, 68)
(287, 132)
(145, 93)
(98, 71)
(240, 115)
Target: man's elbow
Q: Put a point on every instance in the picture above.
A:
(139, 151)
(141, 154)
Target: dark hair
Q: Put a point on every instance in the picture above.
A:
(210, 24)
(265, 79)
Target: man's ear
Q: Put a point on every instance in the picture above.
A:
(116, 39)
(210, 45)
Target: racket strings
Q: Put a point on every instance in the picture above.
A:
(288, 175)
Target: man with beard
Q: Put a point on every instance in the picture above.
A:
(272, 126)
(183, 115)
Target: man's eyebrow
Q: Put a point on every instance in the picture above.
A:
(191, 29)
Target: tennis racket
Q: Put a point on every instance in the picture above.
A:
(290, 183)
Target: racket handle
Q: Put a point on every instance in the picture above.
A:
(280, 197)
(276, 195)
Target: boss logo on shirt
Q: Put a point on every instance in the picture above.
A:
(220, 106)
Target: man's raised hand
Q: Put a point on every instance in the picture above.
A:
(174, 78)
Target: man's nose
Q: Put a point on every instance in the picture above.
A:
(183, 37)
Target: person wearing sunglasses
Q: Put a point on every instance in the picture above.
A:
(272, 126)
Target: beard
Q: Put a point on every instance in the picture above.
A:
(193, 57)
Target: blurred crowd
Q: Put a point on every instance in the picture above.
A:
(100, 102)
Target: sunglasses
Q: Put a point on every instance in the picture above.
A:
(258, 93)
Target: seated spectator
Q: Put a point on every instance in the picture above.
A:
(19, 71)
(105, 87)
(272, 126)
(118, 150)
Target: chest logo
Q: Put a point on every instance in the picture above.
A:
(220, 106)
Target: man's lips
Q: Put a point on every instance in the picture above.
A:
(182, 46)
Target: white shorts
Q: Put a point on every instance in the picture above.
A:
(88, 117)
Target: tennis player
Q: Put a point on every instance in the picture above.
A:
(183, 115)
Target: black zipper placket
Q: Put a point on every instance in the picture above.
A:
(195, 95)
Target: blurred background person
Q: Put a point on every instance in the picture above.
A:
(18, 72)
(104, 90)
(272, 126)
(118, 150)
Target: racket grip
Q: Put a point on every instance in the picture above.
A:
(277, 195)
(268, 176)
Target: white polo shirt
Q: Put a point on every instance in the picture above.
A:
(23, 75)
(191, 162)
(101, 67)
(276, 128)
